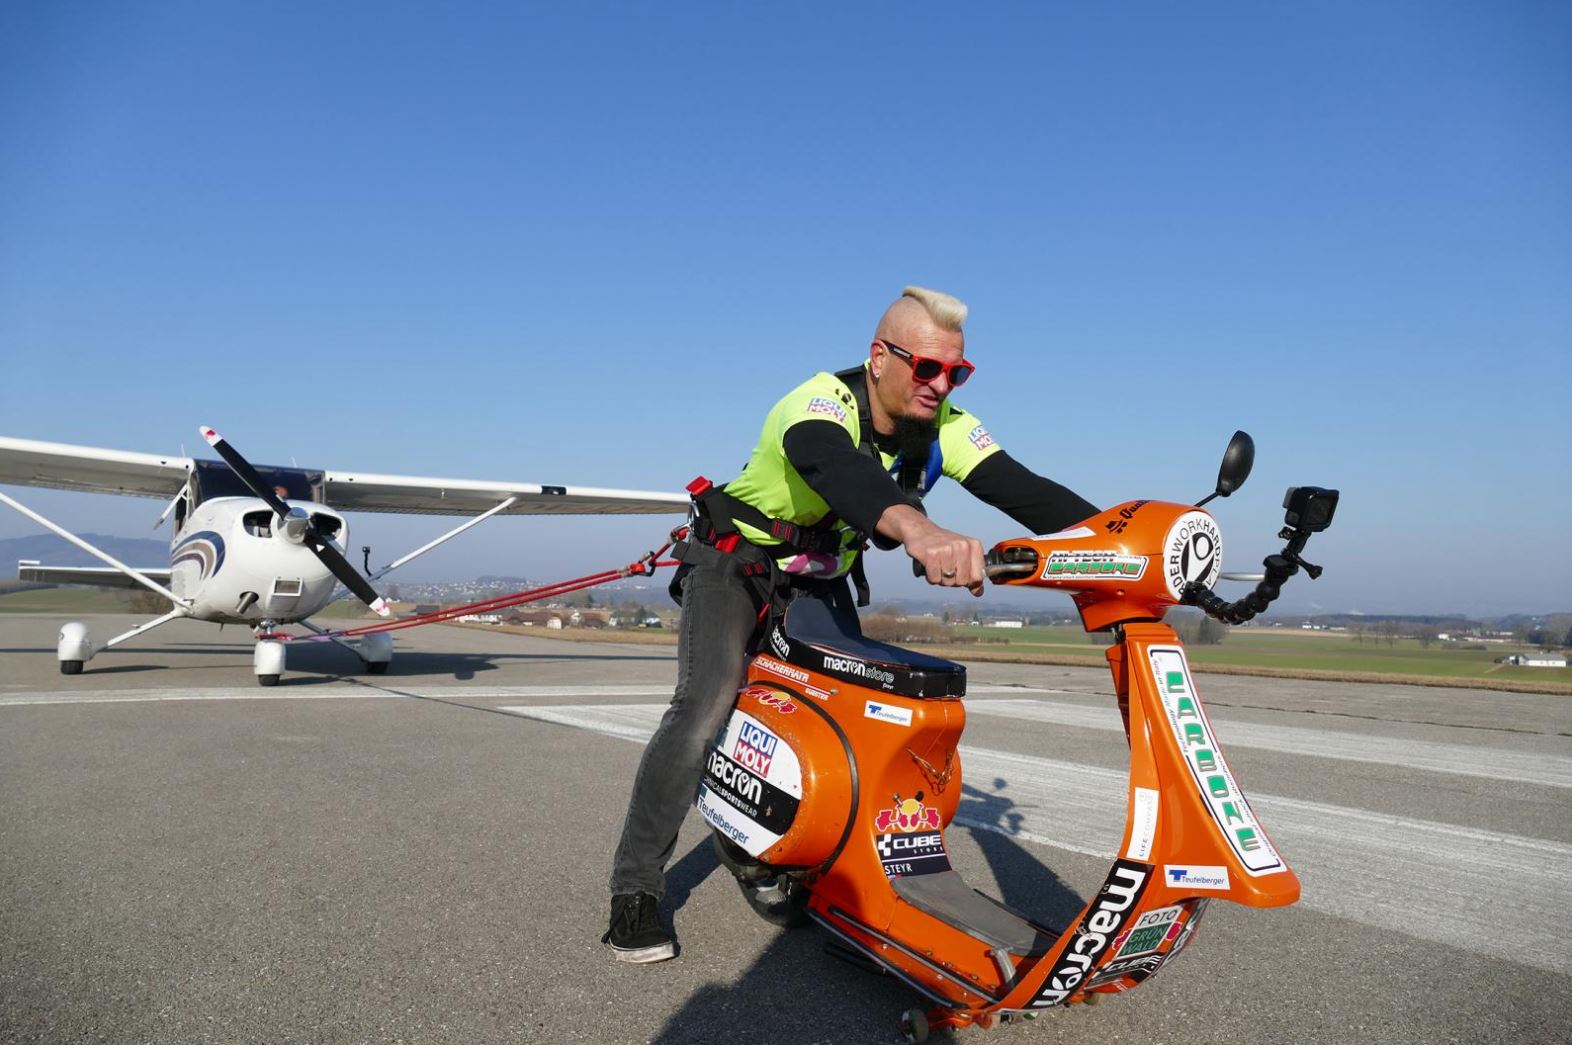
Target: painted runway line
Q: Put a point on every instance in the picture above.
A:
(1490, 763)
(1484, 892)
(329, 691)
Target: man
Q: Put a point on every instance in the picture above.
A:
(842, 459)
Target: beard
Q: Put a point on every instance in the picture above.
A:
(913, 436)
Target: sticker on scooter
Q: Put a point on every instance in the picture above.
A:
(1120, 893)
(771, 698)
(909, 814)
(1218, 790)
(903, 855)
(1149, 933)
(1196, 876)
(888, 713)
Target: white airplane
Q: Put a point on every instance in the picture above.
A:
(264, 546)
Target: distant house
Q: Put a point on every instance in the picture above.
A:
(1005, 624)
(1535, 660)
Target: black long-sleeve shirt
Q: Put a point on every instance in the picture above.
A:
(859, 490)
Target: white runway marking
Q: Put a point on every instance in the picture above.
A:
(1484, 892)
(1458, 759)
(383, 688)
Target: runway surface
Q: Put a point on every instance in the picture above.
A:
(421, 856)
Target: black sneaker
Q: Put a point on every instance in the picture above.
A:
(636, 933)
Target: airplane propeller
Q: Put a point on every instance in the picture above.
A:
(297, 526)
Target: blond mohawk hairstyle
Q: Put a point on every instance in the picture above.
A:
(946, 311)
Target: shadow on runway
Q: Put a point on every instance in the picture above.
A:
(797, 992)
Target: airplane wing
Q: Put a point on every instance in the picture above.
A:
(28, 462)
(361, 492)
(96, 576)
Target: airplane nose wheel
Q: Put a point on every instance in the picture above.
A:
(268, 661)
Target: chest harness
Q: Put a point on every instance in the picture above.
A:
(715, 515)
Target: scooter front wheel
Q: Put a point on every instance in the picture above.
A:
(914, 1025)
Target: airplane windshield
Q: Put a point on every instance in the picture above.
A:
(216, 479)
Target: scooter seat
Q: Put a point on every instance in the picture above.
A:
(946, 896)
(821, 631)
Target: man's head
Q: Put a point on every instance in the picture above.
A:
(921, 323)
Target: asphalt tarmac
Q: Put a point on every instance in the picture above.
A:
(422, 856)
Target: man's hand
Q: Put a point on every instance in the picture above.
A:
(950, 559)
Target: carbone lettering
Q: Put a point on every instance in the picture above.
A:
(1120, 892)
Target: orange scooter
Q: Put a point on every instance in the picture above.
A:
(831, 785)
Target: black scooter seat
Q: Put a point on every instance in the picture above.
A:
(821, 632)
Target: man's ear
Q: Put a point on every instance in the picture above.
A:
(877, 357)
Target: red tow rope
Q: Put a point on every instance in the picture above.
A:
(644, 566)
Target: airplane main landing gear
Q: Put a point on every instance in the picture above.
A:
(376, 650)
(268, 660)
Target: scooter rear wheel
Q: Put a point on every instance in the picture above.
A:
(914, 1025)
(777, 898)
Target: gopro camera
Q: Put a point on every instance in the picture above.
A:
(1309, 509)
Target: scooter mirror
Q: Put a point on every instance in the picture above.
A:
(1238, 459)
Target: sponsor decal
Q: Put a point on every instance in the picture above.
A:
(909, 814)
(888, 713)
(859, 668)
(814, 691)
(1149, 933)
(779, 701)
(775, 667)
(1095, 565)
(1104, 919)
(1136, 969)
(1219, 791)
(1196, 876)
(821, 405)
(724, 821)
(1192, 551)
(980, 437)
(734, 780)
(909, 854)
(1143, 824)
(779, 644)
(1118, 525)
(1197, 908)
(755, 747)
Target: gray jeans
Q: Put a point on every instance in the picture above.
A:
(719, 616)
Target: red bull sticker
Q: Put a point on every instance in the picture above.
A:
(909, 814)
(771, 698)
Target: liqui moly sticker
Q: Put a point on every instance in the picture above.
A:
(888, 713)
(1192, 732)
(1143, 823)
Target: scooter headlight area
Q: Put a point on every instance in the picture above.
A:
(832, 785)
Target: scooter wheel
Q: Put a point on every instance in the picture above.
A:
(70, 667)
(782, 902)
(743, 867)
(914, 1025)
(267, 680)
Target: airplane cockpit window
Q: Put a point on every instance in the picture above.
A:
(215, 479)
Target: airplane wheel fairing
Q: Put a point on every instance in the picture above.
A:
(268, 661)
(73, 645)
(70, 667)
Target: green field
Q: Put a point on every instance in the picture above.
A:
(1283, 649)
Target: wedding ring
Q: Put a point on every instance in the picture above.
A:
(947, 573)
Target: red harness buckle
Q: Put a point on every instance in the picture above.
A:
(699, 487)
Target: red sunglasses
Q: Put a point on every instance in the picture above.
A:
(927, 368)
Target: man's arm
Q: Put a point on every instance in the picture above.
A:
(1041, 505)
(862, 493)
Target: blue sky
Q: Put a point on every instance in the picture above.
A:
(593, 243)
